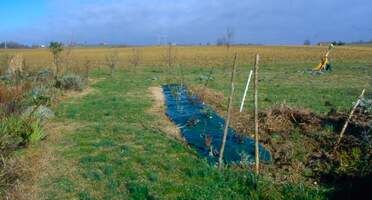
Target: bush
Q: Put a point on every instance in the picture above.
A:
(11, 98)
(366, 104)
(16, 132)
(40, 96)
(4, 62)
(42, 113)
(44, 75)
(70, 82)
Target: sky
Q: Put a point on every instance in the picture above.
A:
(150, 22)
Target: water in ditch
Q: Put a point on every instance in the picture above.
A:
(203, 128)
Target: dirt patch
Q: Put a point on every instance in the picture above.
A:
(37, 161)
(158, 108)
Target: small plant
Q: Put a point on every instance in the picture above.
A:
(44, 75)
(40, 96)
(56, 49)
(70, 82)
(4, 62)
(366, 104)
(11, 98)
(87, 67)
(135, 58)
(42, 113)
(112, 61)
(16, 131)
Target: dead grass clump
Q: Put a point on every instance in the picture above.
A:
(11, 97)
(213, 98)
(285, 119)
(10, 171)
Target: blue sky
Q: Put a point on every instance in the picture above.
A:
(185, 21)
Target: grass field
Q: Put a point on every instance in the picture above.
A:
(282, 69)
(116, 151)
(295, 56)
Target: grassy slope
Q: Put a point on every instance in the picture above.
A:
(117, 155)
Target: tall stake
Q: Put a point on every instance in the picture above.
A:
(348, 120)
(229, 107)
(246, 90)
(256, 113)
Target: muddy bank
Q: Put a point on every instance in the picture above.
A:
(301, 143)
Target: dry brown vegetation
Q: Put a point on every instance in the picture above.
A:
(158, 108)
(300, 141)
(194, 55)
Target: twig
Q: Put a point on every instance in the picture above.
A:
(348, 120)
(229, 107)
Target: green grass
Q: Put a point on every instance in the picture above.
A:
(291, 85)
(118, 155)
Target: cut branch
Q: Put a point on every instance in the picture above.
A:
(348, 120)
(229, 107)
(256, 113)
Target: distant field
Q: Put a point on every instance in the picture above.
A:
(282, 70)
(201, 56)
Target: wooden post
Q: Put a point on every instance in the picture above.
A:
(256, 113)
(348, 120)
(246, 90)
(229, 107)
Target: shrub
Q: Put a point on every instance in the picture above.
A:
(11, 98)
(42, 113)
(4, 62)
(366, 104)
(70, 82)
(44, 75)
(16, 132)
(40, 96)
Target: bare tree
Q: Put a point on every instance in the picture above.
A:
(66, 58)
(135, 58)
(112, 60)
(226, 39)
(56, 49)
(229, 37)
(170, 60)
(87, 66)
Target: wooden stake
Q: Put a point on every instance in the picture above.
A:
(256, 113)
(229, 107)
(246, 90)
(348, 120)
